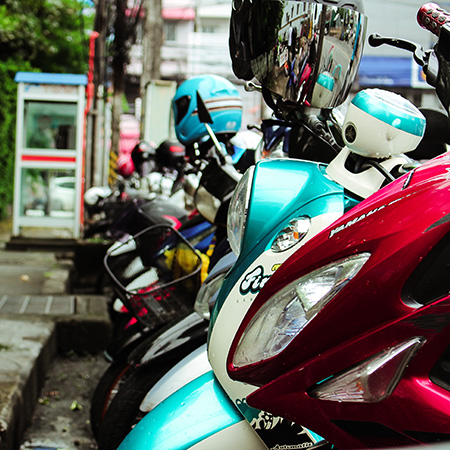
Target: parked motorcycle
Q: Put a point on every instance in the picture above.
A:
(186, 426)
(135, 265)
(147, 178)
(379, 379)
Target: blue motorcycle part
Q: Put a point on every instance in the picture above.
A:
(203, 229)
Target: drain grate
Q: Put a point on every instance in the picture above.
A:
(38, 304)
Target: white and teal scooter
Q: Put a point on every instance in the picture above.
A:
(278, 206)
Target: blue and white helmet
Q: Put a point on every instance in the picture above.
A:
(220, 96)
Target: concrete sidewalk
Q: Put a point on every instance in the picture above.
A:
(38, 318)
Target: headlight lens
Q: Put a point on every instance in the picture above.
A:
(372, 380)
(284, 315)
(238, 209)
(292, 234)
(207, 295)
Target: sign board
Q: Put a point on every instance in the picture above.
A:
(158, 110)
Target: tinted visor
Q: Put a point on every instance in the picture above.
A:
(181, 108)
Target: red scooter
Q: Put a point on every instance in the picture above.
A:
(351, 335)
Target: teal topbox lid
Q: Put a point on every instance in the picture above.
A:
(326, 80)
(392, 109)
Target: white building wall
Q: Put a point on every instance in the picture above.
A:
(397, 18)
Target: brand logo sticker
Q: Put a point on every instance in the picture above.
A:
(255, 280)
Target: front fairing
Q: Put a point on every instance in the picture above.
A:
(403, 204)
(375, 311)
(281, 190)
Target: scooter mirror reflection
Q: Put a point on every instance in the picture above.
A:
(304, 51)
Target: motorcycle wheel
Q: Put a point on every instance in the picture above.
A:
(105, 391)
(124, 413)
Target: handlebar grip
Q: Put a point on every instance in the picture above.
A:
(432, 17)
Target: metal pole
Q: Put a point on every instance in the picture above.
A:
(151, 48)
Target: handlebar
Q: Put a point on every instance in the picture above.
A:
(435, 19)
(375, 40)
(432, 17)
(436, 61)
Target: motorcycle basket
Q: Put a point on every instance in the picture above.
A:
(156, 274)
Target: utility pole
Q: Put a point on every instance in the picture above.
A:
(95, 157)
(152, 40)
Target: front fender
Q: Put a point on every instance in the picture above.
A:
(195, 413)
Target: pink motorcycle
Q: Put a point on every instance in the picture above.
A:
(351, 335)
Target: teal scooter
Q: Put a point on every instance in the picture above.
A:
(309, 201)
(278, 206)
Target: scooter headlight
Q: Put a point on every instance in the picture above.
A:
(372, 380)
(207, 294)
(238, 209)
(291, 235)
(284, 315)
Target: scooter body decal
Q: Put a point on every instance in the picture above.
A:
(276, 432)
(363, 216)
(253, 281)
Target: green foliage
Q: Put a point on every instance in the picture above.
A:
(50, 34)
(35, 35)
(8, 94)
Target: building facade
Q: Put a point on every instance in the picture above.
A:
(196, 42)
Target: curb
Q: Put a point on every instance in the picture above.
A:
(28, 344)
(25, 357)
(39, 319)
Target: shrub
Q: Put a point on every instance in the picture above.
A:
(8, 102)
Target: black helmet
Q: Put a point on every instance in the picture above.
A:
(302, 52)
(170, 154)
(142, 153)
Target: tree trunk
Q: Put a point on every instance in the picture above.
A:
(95, 152)
(152, 41)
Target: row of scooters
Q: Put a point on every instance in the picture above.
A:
(320, 318)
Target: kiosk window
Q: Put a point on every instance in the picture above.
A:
(48, 192)
(50, 125)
